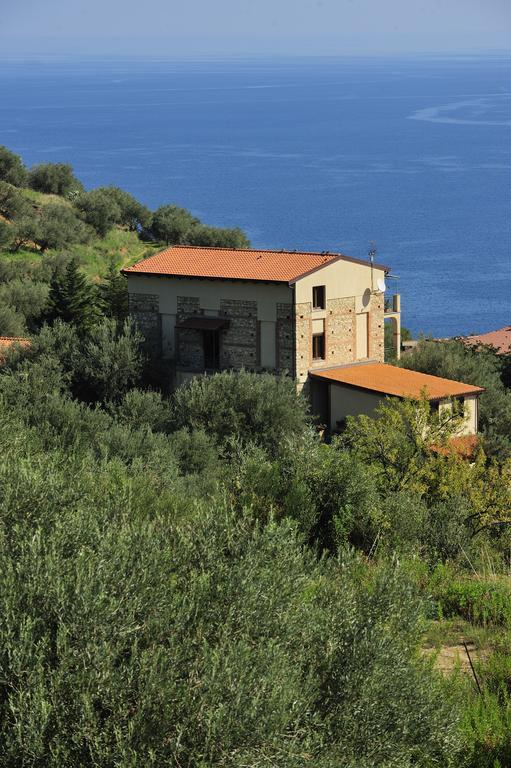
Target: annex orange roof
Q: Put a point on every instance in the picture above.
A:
(500, 339)
(464, 446)
(398, 382)
(237, 263)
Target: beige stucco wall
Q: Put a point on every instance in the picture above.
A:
(346, 401)
(210, 293)
(470, 424)
(342, 279)
(352, 320)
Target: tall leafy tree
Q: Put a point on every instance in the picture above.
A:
(172, 224)
(12, 169)
(25, 231)
(54, 178)
(58, 227)
(12, 202)
(99, 209)
(71, 298)
(133, 214)
(201, 234)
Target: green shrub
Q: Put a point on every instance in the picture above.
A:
(12, 202)
(486, 731)
(12, 169)
(12, 323)
(27, 297)
(478, 600)
(129, 638)
(54, 178)
(99, 209)
(244, 407)
(58, 227)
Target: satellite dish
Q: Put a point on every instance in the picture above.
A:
(381, 284)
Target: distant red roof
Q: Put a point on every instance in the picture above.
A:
(10, 341)
(236, 264)
(500, 340)
(464, 446)
(398, 382)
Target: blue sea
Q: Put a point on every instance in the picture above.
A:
(302, 153)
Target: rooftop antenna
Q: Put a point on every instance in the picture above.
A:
(372, 254)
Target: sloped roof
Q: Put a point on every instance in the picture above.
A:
(398, 382)
(236, 264)
(9, 341)
(464, 446)
(500, 339)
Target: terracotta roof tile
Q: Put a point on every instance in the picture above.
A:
(236, 264)
(500, 339)
(9, 341)
(399, 382)
(464, 446)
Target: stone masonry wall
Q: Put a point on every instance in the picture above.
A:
(284, 341)
(338, 322)
(186, 306)
(303, 335)
(239, 347)
(145, 310)
(340, 331)
(190, 352)
(376, 328)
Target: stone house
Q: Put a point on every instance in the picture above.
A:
(308, 314)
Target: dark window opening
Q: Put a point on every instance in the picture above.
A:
(318, 346)
(434, 406)
(318, 297)
(211, 342)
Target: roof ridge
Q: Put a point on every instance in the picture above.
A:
(251, 250)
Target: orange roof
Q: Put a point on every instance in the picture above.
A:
(464, 446)
(399, 382)
(236, 264)
(500, 339)
(9, 341)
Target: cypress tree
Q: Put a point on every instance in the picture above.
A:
(71, 298)
(113, 292)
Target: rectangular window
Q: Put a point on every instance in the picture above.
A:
(318, 346)
(318, 297)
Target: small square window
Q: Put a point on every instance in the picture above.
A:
(318, 297)
(318, 346)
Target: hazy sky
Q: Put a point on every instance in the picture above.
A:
(230, 26)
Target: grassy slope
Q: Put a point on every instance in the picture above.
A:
(119, 245)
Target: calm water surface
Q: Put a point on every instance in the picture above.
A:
(321, 154)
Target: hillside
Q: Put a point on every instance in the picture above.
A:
(48, 219)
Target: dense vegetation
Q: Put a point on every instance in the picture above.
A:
(196, 578)
(47, 218)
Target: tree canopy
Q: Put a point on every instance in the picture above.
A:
(172, 224)
(12, 169)
(71, 298)
(54, 178)
(99, 209)
(58, 226)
